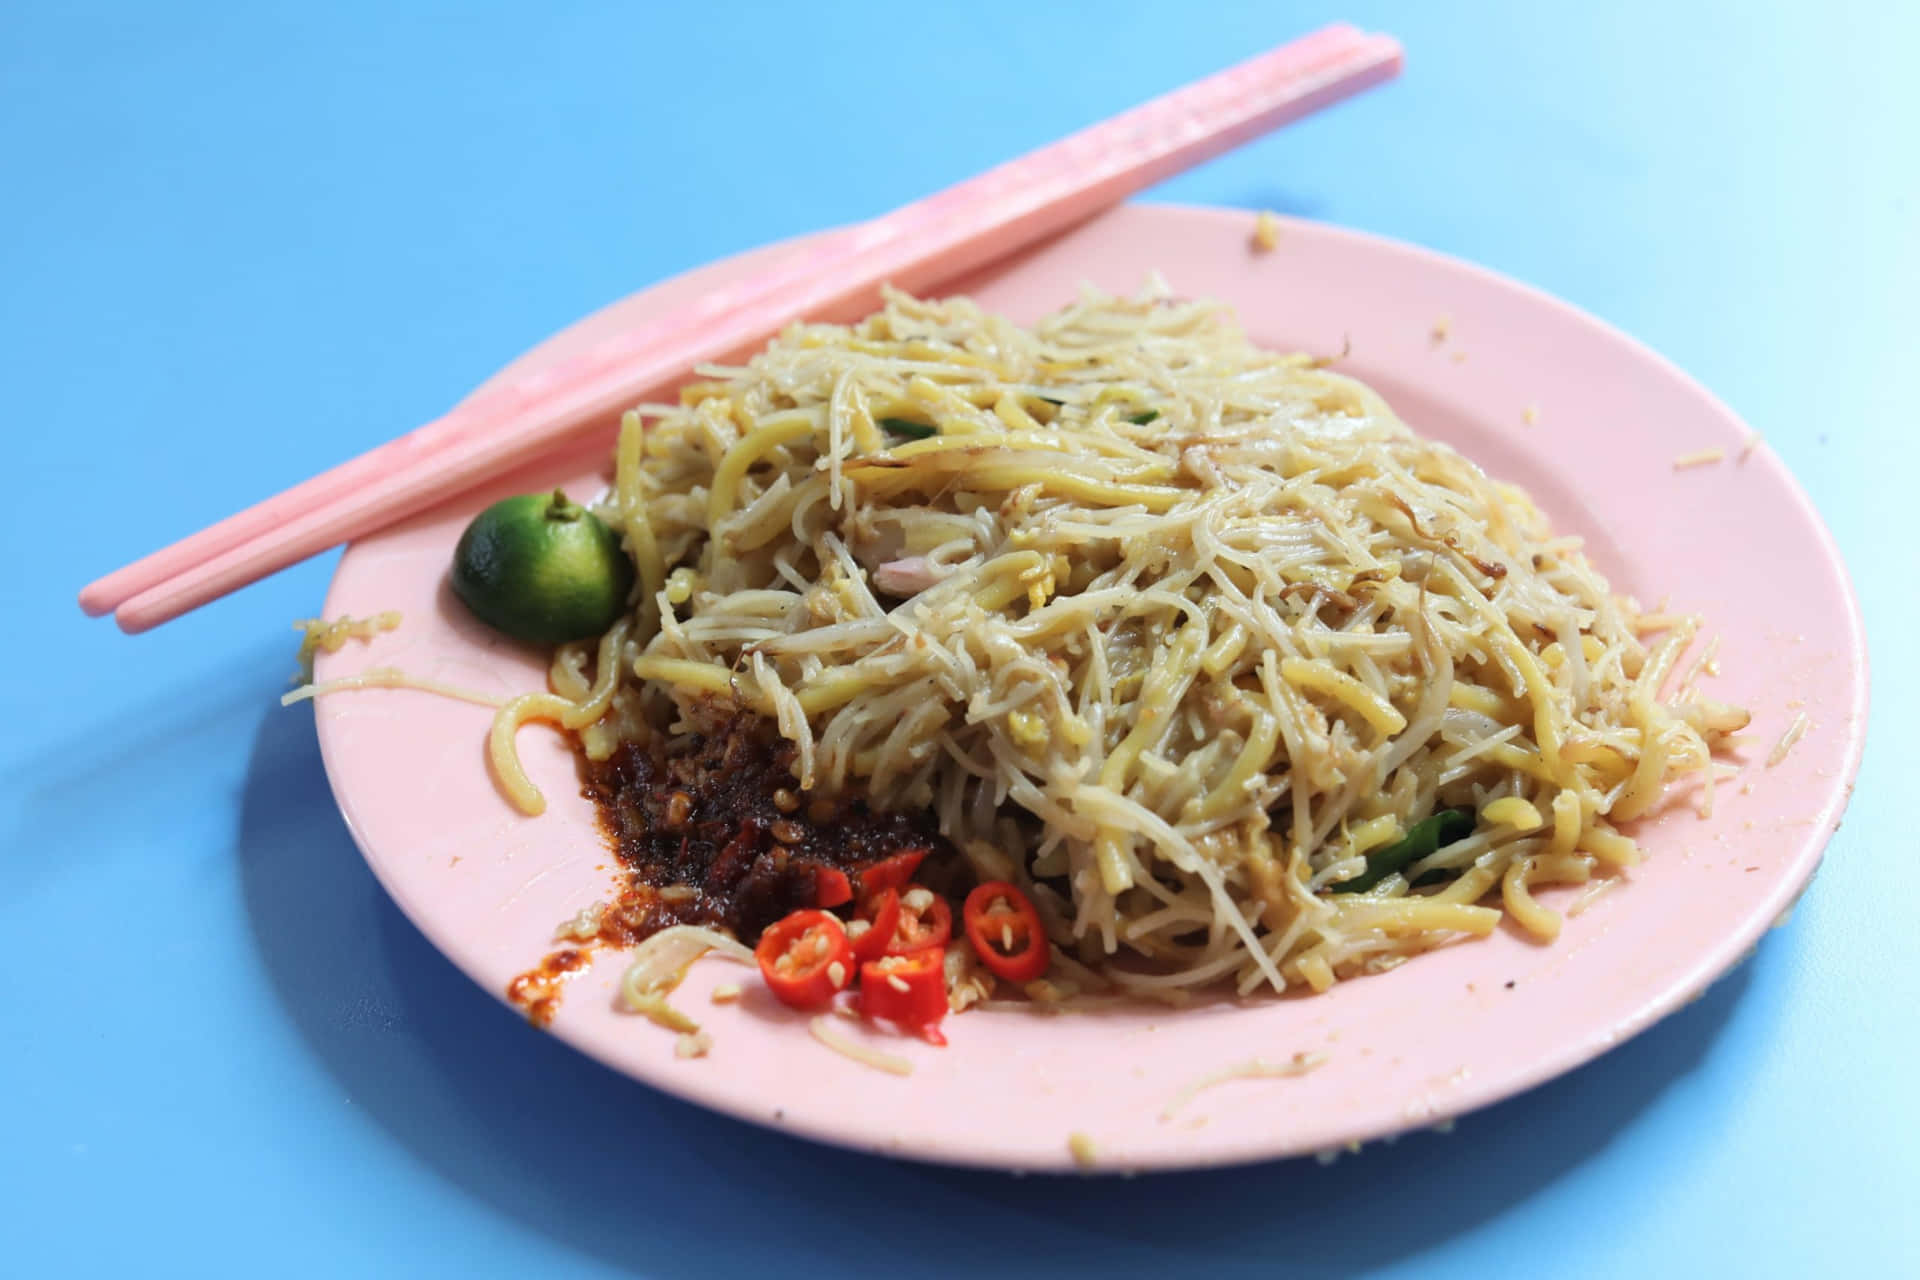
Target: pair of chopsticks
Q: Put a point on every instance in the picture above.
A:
(919, 246)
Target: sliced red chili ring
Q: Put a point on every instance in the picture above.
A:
(909, 991)
(879, 919)
(891, 873)
(805, 959)
(831, 888)
(925, 924)
(1006, 932)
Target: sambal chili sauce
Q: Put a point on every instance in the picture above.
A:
(717, 832)
(723, 834)
(537, 991)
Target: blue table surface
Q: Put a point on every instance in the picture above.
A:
(241, 242)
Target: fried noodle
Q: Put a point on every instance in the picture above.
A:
(1182, 627)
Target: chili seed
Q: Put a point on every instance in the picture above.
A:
(788, 832)
(785, 801)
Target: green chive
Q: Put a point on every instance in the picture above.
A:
(1427, 836)
(908, 428)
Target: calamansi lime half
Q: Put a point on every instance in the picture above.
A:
(542, 568)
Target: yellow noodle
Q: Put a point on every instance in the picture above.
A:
(1340, 686)
(788, 429)
(1512, 811)
(1537, 920)
(1185, 675)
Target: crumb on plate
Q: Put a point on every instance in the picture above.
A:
(1699, 458)
(1266, 232)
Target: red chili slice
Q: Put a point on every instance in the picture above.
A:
(831, 887)
(922, 927)
(891, 873)
(909, 991)
(1006, 931)
(878, 921)
(805, 959)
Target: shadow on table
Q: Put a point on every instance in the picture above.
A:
(546, 1137)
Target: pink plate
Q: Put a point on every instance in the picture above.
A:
(1532, 389)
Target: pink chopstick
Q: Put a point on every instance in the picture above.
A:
(918, 246)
